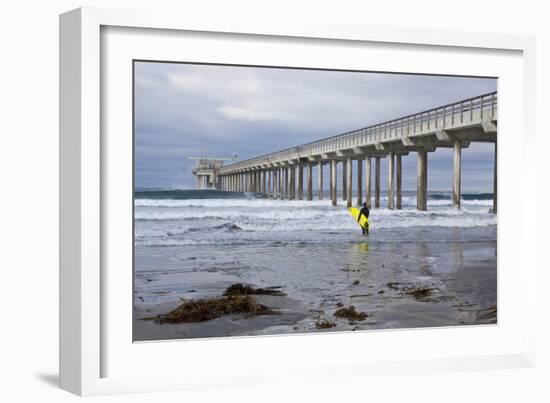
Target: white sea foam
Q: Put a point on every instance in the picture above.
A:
(226, 221)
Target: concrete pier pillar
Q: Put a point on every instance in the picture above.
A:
(320, 181)
(286, 184)
(349, 182)
(344, 177)
(292, 185)
(281, 177)
(457, 162)
(274, 182)
(309, 181)
(377, 183)
(359, 182)
(391, 175)
(333, 181)
(300, 170)
(264, 181)
(368, 195)
(495, 198)
(268, 189)
(422, 180)
(398, 182)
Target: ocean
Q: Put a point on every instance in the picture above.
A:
(193, 244)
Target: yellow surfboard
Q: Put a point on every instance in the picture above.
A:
(355, 213)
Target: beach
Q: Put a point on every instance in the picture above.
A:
(414, 269)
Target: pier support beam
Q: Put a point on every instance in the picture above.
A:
(280, 182)
(368, 196)
(344, 177)
(275, 182)
(391, 175)
(349, 182)
(495, 182)
(292, 191)
(320, 181)
(300, 182)
(333, 182)
(398, 182)
(264, 181)
(377, 183)
(309, 181)
(457, 162)
(422, 180)
(287, 185)
(359, 182)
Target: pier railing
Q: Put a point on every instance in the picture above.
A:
(458, 114)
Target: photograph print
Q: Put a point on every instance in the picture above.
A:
(272, 201)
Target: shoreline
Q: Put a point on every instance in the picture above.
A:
(401, 285)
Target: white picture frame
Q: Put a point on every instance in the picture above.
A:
(87, 343)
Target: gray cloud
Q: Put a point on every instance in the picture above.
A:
(184, 110)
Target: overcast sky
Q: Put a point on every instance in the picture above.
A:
(186, 110)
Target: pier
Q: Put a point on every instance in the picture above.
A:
(281, 174)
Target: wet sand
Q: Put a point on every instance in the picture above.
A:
(398, 285)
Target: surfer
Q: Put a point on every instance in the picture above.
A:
(364, 211)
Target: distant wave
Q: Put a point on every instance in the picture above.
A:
(223, 203)
(198, 194)
(464, 196)
(205, 194)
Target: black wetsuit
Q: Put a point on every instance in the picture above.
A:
(364, 211)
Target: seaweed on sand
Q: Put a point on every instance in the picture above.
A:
(240, 289)
(211, 308)
(350, 313)
(324, 324)
(419, 292)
